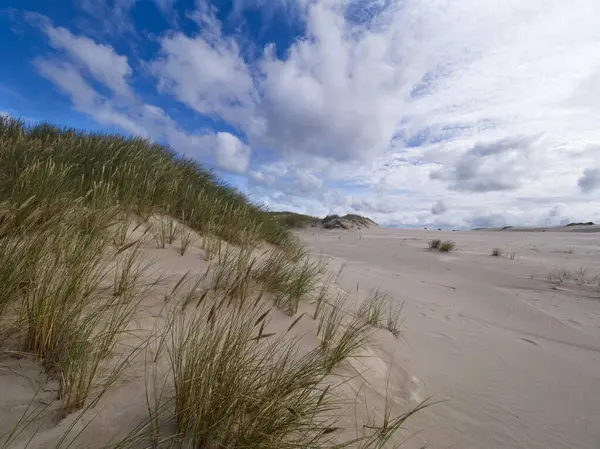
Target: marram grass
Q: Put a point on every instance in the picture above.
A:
(72, 280)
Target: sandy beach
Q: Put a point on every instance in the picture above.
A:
(512, 357)
(505, 349)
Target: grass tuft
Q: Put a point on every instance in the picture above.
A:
(341, 337)
(435, 244)
(393, 320)
(238, 387)
(186, 238)
(371, 309)
(579, 276)
(289, 277)
(447, 246)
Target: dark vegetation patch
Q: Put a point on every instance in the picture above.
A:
(581, 223)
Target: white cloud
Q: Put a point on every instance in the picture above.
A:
(207, 74)
(100, 60)
(336, 94)
(590, 180)
(68, 79)
(439, 208)
(494, 166)
(382, 107)
(84, 98)
(453, 78)
(307, 182)
(231, 153)
(124, 110)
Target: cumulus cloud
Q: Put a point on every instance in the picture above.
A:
(334, 95)
(338, 92)
(206, 72)
(100, 60)
(231, 153)
(493, 166)
(590, 180)
(82, 56)
(84, 98)
(408, 99)
(307, 182)
(439, 208)
(364, 74)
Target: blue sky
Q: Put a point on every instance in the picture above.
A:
(413, 112)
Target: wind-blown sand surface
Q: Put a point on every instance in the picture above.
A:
(511, 359)
(514, 358)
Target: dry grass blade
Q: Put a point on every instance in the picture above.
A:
(129, 271)
(380, 434)
(121, 229)
(371, 309)
(393, 320)
(340, 338)
(435, 244)
(186, 238)
(238, 387)
(64, 319)
(290, 279)
(447, 246)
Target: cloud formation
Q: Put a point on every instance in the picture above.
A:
(207, 74)
(590, 180)
(80, 56)
(376, 108)
(439, 208)
(100, 60)
(493, 166)
(232, 154)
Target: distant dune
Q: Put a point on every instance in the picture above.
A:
(571, 227)
(300, 221)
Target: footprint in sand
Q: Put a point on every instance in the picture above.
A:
(444, 336)
(529, 341)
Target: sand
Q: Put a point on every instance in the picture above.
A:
(513, 358)
(509, 358)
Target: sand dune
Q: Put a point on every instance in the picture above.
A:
(513, 357)
(509, 357)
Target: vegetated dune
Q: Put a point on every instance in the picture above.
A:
(144, 304)
(504, 330)
(292, 220)
(348, 221)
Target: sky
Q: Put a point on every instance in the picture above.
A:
(416, 113)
